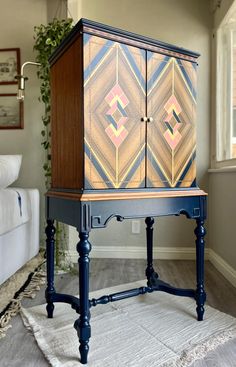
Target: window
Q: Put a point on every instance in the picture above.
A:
(226, 91)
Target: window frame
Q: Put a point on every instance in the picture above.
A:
(223, 111)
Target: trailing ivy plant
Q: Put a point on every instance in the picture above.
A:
(47, 38)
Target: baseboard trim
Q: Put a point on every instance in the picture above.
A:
(223, 267)
(132, 252)
(163, 253)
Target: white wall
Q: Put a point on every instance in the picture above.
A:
(185, 23)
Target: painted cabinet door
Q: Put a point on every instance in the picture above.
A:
(114, 102)
(171, 140)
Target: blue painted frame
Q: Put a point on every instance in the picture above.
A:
(86, 215)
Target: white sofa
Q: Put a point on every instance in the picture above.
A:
(20, 244)
(19, 220)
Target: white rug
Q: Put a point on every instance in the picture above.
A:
(155, 329)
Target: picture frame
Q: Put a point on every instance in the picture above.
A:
(9, 65)
(11, 112)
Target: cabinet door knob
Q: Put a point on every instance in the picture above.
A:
(144, 119)
(150, 119)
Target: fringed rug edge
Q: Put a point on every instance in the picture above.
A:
(32, 284)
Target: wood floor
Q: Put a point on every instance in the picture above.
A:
(19, 349)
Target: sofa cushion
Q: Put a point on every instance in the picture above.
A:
(9, 169)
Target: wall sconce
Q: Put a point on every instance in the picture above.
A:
(22, 79)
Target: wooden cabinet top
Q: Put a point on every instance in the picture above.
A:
(115, 34)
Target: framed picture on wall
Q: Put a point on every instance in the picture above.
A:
(11, 112)
(9, 65)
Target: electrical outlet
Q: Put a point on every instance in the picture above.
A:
(135, 226)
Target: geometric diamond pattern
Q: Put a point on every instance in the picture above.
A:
(172, 121)
(171, 88)
(167, 161)
(115, 143)
(116, 115)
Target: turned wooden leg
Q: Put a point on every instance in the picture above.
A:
(149, 235)
(50, 290)
(151, 275)
(200, 292)
(82, 325)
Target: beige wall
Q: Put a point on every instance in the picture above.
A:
(221, 11)
(17, 19)
(222, 219)
(185, 23)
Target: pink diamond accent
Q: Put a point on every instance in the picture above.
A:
(116, 115)
(117, 93)
(117, 139)
(172, 135)
(172, 139)
(172, 104)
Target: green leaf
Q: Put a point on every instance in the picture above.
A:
(46, 39)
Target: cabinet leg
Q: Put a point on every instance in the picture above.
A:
(200, 292)
(82, 324)
(50, 290)
(151, 275)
